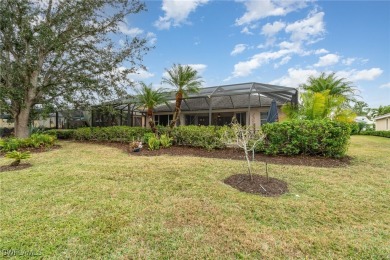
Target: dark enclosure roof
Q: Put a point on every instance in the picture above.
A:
(233, 96)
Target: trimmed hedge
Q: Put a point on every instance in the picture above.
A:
(112, 133)
(377, 133)
(309, 137)
(61, 133)
(208, 137)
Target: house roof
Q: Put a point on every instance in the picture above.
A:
(231, 96)
(382, 116)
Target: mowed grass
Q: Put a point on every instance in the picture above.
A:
(91, 201)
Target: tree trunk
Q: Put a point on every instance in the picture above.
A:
(21, 123)
(179, 98)
(151, 121)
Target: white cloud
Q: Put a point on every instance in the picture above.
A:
(292, 46)
(198, 67)
(321, 51)
(245, 30)
(140, 74)
(152, 38)
(295, 77)
(284, 61)
(121, 42)
(309, 29)
(176, 12)
(245, 68)
(133, 32)
(256, 10)
(387, 85)
(327, 60)
(358, 75)
(271, 29)
(239, 48)
(348, 61)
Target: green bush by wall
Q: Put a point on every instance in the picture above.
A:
(377, 133)
(112, 133)
(61, 133)
(309, 137)
(208, 137)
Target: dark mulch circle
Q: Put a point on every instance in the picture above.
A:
(7, 168)
(235, 154)
(257, 185)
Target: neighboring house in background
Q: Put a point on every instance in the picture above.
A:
(382, 123)
(363, 119)
(58, 120)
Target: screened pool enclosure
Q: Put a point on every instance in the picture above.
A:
(248, 102)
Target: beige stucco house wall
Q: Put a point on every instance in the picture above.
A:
(382, 123)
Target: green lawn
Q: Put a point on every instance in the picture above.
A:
(91, 201)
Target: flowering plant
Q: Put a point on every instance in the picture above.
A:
(135, 146)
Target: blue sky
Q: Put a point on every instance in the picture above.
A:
(269, 41)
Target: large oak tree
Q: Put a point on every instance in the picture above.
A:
(62, 52)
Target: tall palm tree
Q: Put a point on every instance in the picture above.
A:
(186, 81)
(336, 86)
(150, 98)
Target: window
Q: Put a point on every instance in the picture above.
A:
(190, 120)
(263, 118)
(203, 120)
(137, 121)
(241, 118)
(162, 119)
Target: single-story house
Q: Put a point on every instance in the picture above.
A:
(382, 123)
(248, 102)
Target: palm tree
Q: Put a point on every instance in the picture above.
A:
(336, 86)
(319, 105)
(186, 81)
(150, 98)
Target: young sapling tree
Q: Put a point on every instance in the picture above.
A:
(246, 138)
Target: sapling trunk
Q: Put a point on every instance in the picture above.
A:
(15, 163)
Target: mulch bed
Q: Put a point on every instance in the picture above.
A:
(235, 154)
(6, 168)
(257, 185)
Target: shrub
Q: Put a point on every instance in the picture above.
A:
(11, 144)
(147, 136)
(35, 140)
(17, 156)
(112, 133)
(153, 143)
(6, 132)
(309, 137)
(377, 133)
(61, 133)
(165, 141)
(38, 140)
(209, 137)
(355, 128)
